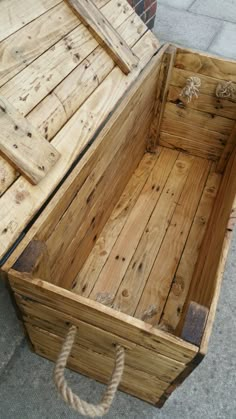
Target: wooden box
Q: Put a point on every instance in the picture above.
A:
(126, 236)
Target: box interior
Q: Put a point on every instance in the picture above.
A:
(137, 231)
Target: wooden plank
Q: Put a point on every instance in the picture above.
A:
(112, 228)
(15, 15)
(113, 271)
(193, 147)
(94, 202)
(159, 282)
(182, 280)
(105, 34)
(228, 150)
(55, 109)
(98, 107)
(206, 64)
(150, 362)
(204, 282)
(103, 317)
(140, 266)
(97, 366)
(34, 261)
(204, 103)
(198, 119)
(195, 322)
(31, 154)
(166, 75)
(208, 84)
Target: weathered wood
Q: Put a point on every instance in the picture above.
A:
(98, 107)
(23, 145)
(103, 317)
(194, 324)
(154, 231)
(160, 279)
(113, 271)
(90, 271)
(34, 261)
(182, 280)
(105, 34)
(228, 150)
(55, 109)
(162, 93)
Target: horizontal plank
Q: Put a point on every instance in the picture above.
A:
(97, 366)
(30, 153)
(103, 317)
(198, 119)
(206, 64)
(15, 15)
(194, 147)
(104, 33)
(204, 103)
(98, 107)
(164, 368)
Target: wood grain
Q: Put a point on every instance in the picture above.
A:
(105, 34)
(30, 153)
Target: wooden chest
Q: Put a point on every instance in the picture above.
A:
(126, 235)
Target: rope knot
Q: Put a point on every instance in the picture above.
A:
(226, 90)
(191, 88)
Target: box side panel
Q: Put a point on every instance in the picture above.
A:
(202, 124)
(151, 354)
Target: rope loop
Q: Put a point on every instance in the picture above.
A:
(81, 406)
(226, 90)
(191, 88)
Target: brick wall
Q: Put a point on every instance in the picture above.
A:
(146, 9)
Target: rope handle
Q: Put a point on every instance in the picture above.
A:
(81, 406)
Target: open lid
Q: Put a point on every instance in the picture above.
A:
(58, 87)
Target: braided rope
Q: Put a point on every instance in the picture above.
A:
(226, 90)
(191, 88)
(81, 406)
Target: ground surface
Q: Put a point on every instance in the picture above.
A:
(26, 388)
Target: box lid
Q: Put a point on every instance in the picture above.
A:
(58, 86)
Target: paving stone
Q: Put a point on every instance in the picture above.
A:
(222, 9)
(179, 4)
(11, 333)
(225, 41)
(185, 28)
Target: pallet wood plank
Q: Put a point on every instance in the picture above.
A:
(30, 153)
(228, 150)
(98, 110)
(159, 282)
(55, 109)
(15, 15)
(105, 33)
(195, 323)
(124, 248)
(103, 317)
(113, 227)
(137, 274)
(182, 280)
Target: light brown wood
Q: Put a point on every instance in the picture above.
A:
(182, 280)
(98, 106)
(30, 153)
(55, 109)
(206, 64)
(87, 276)
(162, 93)
(205, 279)
(228, 150)
(15, 15)
(113, 271)
(157, 287)
(105, 34)
(103, 317)
(154, 231)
